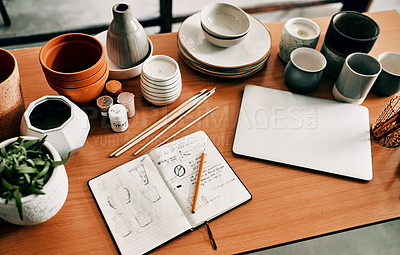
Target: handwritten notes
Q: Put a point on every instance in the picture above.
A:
(178, 164)
(148, 201)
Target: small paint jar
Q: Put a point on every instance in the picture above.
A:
(118, 118)
(113, 88)
(104, 103)
(127, 99)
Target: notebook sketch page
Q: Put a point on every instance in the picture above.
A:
(137, 206)
(220, 189)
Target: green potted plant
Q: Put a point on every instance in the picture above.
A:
(33, 180)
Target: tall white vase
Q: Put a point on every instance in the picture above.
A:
(127, 43)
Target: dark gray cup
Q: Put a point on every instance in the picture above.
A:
(351, 31)
(388, 82)
(304, 70)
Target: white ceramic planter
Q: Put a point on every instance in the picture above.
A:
(64, 123)
(38, 208)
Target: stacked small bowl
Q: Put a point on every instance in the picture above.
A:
(75, 66)
(223, 24)
(160, 80)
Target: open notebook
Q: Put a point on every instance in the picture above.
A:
(147, 201)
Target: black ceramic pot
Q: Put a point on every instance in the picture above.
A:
(351, 31)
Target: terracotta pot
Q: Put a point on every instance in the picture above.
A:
(39, 208)
(72, 57)
(81, 83)
(85, 95)
(11, 100)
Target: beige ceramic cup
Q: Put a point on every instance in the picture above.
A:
(11, 100)
(298, 32)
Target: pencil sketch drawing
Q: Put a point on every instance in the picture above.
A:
(179, 170)
(151, 194)
(122, 226)
(139, 172)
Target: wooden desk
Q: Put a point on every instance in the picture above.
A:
(288, 203)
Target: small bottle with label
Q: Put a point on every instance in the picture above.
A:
(118, 118)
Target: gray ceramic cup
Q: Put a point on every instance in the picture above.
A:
(356, 78)
(304, 70)
(388, 81)
(298, 32)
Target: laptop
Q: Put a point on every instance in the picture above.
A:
(304, 131)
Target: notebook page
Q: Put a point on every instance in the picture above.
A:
(220, 190)
(137, 206)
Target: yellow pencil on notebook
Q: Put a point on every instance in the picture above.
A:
(196, 192)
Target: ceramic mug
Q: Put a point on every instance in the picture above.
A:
(12, 105)
(348, 32)
(388, 81)
(356, 78)
(304, 70)
(334, 59)
(298, 32)
(351, 31)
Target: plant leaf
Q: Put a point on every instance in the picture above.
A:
(43, 172)
(34, 190)
(28, 144)
(27, 178)
(62, 162)
(2, 165)
(3, 152)
(17, 197)
(25, 169)
(38, 146)
(7, 185)
(38, 162)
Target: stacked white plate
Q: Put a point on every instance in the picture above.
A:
(243, 59)
(164, 89)
(160, 93)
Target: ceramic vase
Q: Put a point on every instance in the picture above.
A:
(11, 100)
(127, 43)
(38, 208)
(64, 123)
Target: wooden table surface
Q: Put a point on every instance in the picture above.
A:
(288, 204)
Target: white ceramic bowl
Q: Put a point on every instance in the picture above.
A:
(220, 41)
(224, 20)
(116, 72)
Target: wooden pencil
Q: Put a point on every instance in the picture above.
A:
(196, 192)
(155, 126)
(189, 110)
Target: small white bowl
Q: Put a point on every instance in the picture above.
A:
(116, 72)
(224, 20)
(220, 41)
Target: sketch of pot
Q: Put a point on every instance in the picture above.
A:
(122, 225)
(123, 195)
(140, 174)
(143, 218)
(151, 194)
